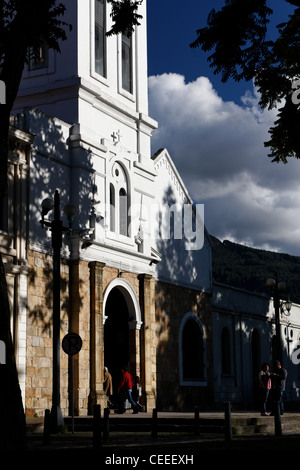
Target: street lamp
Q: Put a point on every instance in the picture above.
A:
(57, 228)
(285, 307)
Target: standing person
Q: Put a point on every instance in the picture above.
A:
(137, 393)
(278, 385)
(107, 385)
(264, 382)
(125, 389)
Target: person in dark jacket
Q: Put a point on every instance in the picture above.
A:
(278, 385)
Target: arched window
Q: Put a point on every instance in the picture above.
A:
(296, 357)
(192, 351)
(123, 212)
(225, 352)
(112, 206)
(119, 201)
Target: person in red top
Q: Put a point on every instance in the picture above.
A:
(125, 389)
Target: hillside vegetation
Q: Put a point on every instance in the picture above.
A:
(249, 268)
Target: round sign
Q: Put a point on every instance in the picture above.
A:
(71, 343)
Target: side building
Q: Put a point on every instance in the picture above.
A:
(244, 337)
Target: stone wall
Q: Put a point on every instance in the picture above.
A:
(171, 304)
(77, 307)
(38, 394)
(154, 348)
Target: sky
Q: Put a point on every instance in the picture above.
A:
(215, 133)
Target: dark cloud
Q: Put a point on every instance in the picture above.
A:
(218, 148)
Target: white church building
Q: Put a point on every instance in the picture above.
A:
(136, 268)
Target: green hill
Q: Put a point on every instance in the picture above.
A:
(249, 268)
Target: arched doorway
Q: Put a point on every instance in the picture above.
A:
(116, 334)
(122, 320)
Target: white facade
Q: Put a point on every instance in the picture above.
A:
(99, 139)
(243, 325)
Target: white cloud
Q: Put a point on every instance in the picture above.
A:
(218, 148)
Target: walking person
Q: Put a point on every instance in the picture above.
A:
(125, 389)
(264, 382)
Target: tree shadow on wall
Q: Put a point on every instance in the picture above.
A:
(56, 163)
(51, 170)
(40, 285)
(177, 292)
(177, 262)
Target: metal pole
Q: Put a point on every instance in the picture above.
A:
(46, 433)
(56, 414)
(106, 425)
(154, 424)
(277, 420)
(72, 390)
(228, 426)
(97, 442)
(197, 423)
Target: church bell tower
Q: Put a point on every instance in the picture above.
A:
(96, 81)
(88, 109)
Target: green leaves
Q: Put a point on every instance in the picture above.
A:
(125, 17)
(284, 142)
(237, 35)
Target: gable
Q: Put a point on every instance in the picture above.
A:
(168, 177)
(181, 237)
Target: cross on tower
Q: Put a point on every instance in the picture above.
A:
(116, 136)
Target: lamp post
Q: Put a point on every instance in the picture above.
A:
(57, 228)
(277, 288)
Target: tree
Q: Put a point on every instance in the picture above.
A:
(24, 27)
(237, 35)
(125, 16)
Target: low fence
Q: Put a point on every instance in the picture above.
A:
(155, 426)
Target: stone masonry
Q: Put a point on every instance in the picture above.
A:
(81, 312)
